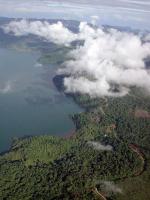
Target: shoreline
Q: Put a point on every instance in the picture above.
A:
(71, 134)
(67, 135)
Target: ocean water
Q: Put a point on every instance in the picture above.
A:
(29, 102)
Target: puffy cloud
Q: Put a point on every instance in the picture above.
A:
(107, 62)
(56, 33)
(99, 146)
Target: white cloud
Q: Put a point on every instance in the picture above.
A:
(99, 146)
(107, 64)
(6, 88)
(94, 19)
(111, 187)
(56, 33)
(38, 65)
(144, 3)
(106, 59)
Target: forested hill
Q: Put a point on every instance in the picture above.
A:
(108, 154)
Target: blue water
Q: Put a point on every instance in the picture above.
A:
(29, 102)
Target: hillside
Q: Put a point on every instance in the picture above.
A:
(47, 167)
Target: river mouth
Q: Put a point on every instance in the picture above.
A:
(30, 104)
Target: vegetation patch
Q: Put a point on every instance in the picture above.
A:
(49, 167)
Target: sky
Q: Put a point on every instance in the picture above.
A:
(133, 13)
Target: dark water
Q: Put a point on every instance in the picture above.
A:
(29, 102)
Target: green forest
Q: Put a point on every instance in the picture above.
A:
(79, 166)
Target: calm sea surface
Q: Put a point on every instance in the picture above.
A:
(29, 102)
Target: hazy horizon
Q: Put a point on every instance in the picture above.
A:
(119, 12)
